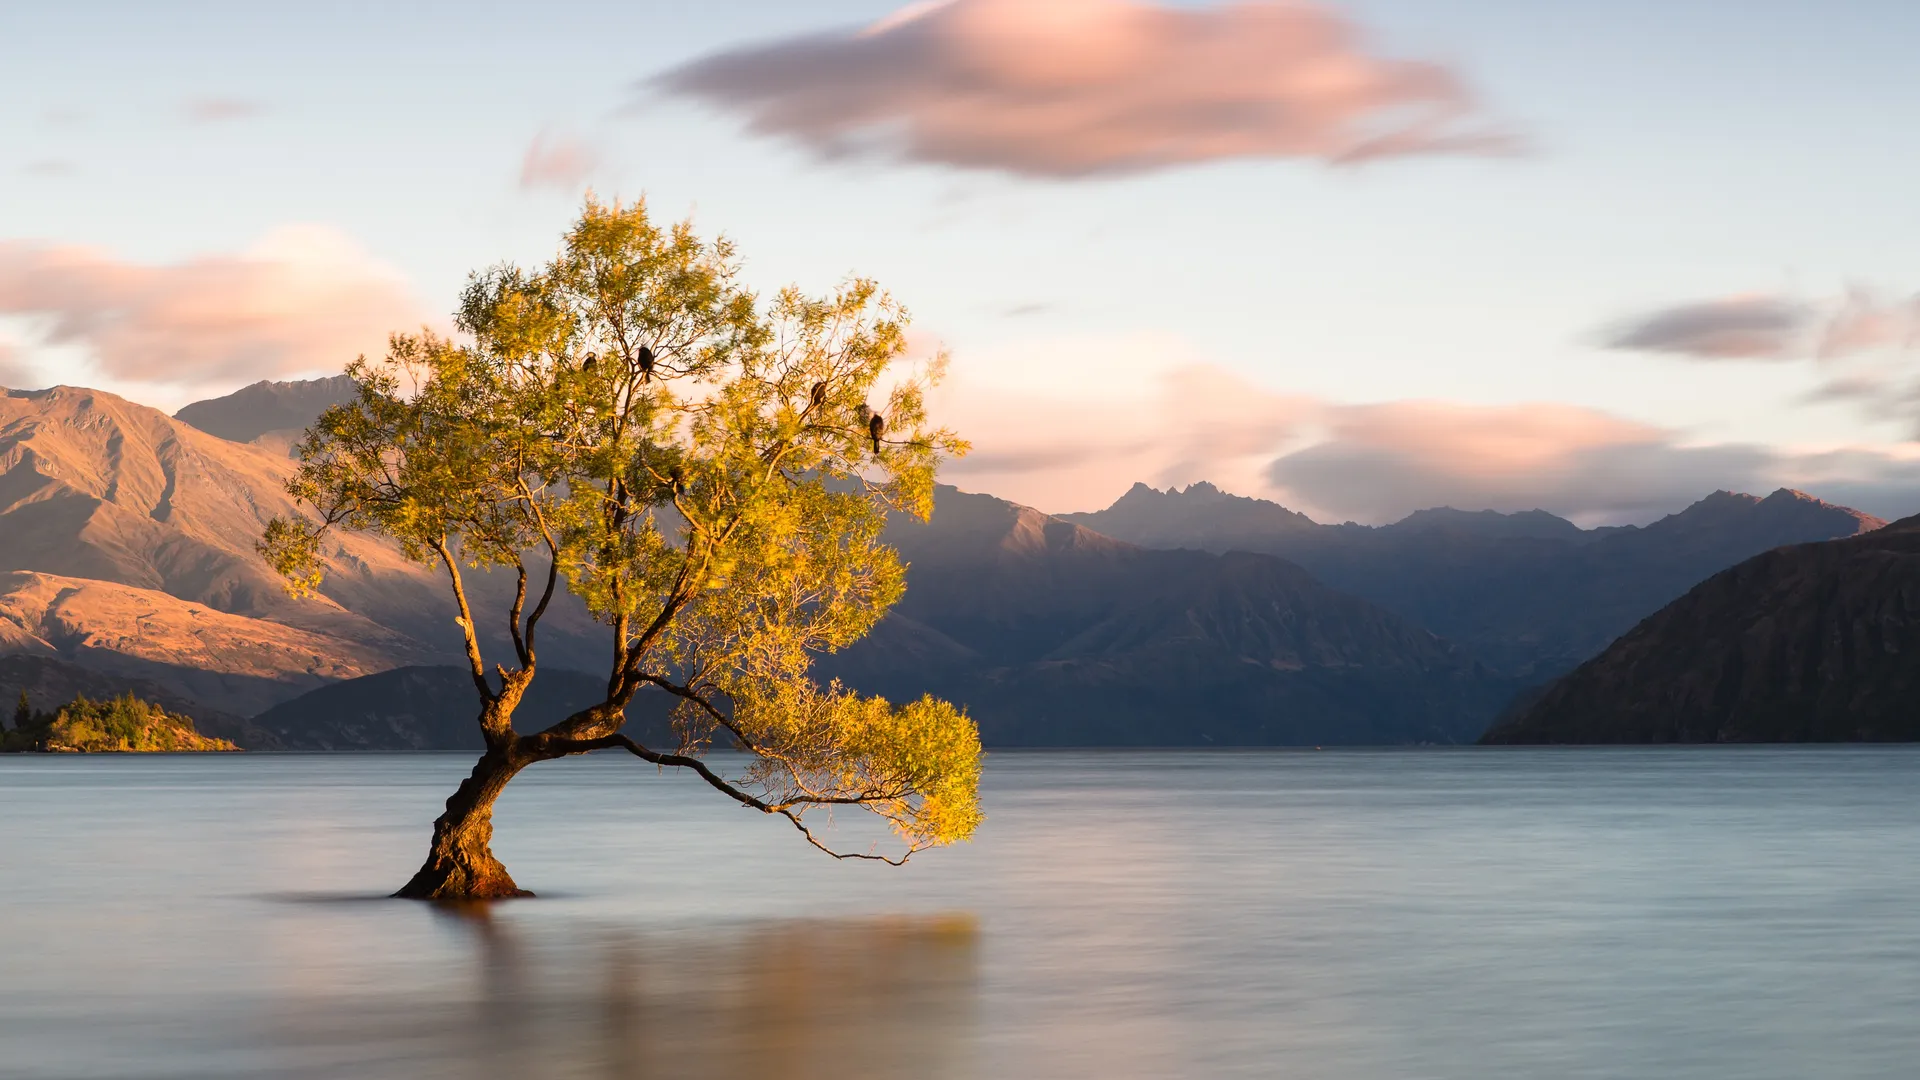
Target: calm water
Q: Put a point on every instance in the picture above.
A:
(1557, 914)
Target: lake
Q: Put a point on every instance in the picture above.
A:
(1673, 913)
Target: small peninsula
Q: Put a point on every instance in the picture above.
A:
(125, 724)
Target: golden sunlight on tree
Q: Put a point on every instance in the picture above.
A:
(706, 470)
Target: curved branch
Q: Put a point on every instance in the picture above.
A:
(553, 573)
(513, 614)
(564, 747)
(474, 663)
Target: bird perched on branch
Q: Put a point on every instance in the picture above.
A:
(586, 365)
(875, 425)
(817, 397)
(646, 364)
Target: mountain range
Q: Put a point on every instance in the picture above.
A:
(1171, 618)
(1055, 635)
(1529, 594)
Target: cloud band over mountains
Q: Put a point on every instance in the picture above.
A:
(1075, 88)
(305, 300)
(1368, 462)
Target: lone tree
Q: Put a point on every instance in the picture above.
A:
(697, 466)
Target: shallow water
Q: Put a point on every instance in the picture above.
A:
(1682, 913)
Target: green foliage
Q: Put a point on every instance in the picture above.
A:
(699, 467)
(123, 724)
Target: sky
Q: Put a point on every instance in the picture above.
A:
(1361, 258)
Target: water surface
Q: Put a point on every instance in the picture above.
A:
(1685, 913)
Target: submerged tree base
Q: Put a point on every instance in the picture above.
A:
(444, 878)
(461, 865)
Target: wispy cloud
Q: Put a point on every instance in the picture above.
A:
(1740, 328)
(1773, 327)
(215, 110)
(1863, 343)
(557, 161)
(304, 300)
(1075, 88)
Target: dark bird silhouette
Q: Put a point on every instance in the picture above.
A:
(646, 364)
(874, 427)
(587, 364)
(818, 397)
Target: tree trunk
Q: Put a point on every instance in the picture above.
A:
(461, 865)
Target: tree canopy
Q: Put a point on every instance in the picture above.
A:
(705, 469)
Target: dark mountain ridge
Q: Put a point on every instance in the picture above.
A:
(1811, 643)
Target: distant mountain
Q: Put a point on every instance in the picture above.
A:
(131, 540)
(1490, 524)
(1202, 517)
(1816, 642)
(268, 408)
(231, 662)
(1529, 594)
(1054, 635)
(434, 709)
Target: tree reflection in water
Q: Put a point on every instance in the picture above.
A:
(798, 1000)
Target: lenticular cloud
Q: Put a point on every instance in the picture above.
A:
(1074, 88)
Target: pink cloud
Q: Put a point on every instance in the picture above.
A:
(305, 300)
(13, 372)
(1380, 462)
(557, 162)
(1862, 322)
(1071, 88)
(1071, 424)
(214, 110)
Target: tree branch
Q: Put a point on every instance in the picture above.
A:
(513, 616)
(474, 663)
(553, 572)
(564, 747)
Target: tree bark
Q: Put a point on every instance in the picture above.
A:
(460, 865)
